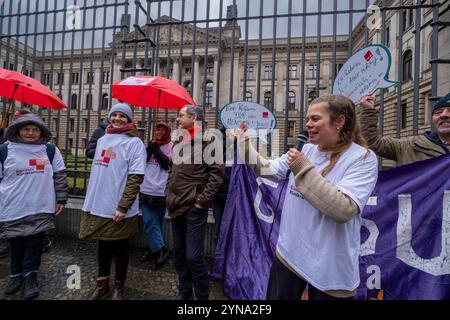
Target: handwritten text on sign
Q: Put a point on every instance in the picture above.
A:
(256, 116)
(365, 72)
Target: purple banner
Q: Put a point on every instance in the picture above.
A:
(405, 238)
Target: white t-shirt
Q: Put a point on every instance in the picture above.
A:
(155, 179)
(27, 185)
(116, 157)
(325, 253)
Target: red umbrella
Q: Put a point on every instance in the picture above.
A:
(19, 87)
(152, 92)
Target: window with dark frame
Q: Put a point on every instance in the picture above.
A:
(292, 71)
(105, 77)
(250, 73)
(291, 101)
(60, 78)
(312, 71)
(88, 104)
(209, 94)
(75, 77)
(73, 101)
(268, 99)
(267, 72)
(105, 101)
(85, 125)
(291, 128)
(407, 66)
(90, 78)
(403, 114)
(248, 96)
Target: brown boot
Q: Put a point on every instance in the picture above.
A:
(102, 290)
(119, 288)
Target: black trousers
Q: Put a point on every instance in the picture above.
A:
(188, 233)
(121, 253)
(286, 285)
(26, 253)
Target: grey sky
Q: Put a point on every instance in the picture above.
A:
(56, 21)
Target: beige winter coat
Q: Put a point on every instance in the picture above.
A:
(403, 150)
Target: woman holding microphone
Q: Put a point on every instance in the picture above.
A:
(332, 178)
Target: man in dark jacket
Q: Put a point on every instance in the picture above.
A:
(97, 134)
(191, 186)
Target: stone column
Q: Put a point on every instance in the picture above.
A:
(280, 92)
(176, 70)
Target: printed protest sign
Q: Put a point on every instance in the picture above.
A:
(260, 120)
(364, 73)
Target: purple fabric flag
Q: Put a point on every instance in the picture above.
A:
(405, 251)
(248, 234)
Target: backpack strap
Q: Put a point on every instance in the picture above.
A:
(3, 153)
(51, 149)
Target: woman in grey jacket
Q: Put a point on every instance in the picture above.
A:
(33, 189)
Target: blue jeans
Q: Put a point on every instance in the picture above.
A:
(26, 253)
(153, 218)
(188, 231)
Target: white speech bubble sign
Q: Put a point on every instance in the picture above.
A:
(261, 121)
(364, 73)
(136, 81)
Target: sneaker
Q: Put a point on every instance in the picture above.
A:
(4, 252)
(47, 243)
(14, 285)
(31, 289)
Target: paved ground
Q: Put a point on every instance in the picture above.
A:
(144, 283)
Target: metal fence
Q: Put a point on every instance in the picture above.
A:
(279, 53)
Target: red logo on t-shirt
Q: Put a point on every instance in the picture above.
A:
(265, 115)
(38, 163)
(368, 55)
(108, 154)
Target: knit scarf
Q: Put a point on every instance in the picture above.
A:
(123, 130)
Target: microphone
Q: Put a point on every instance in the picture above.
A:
(302, 138)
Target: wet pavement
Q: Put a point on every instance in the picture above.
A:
(59, 269)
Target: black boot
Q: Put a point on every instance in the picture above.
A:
(14, 285)
(161, 257)
(31, 289)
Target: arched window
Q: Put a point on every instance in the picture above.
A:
(248, 96)
(267, 98)
(407, 66)
(187, 85)
(209, 94)
(88, 103)
(73, 101)
(291, 100)
(105, 101)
